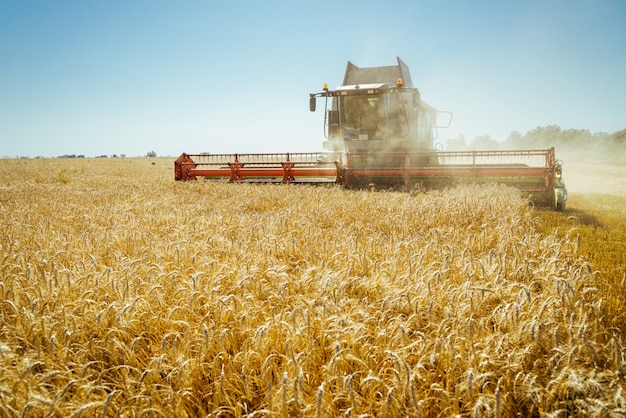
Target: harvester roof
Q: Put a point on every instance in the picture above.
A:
(366, 88)
(377, 75)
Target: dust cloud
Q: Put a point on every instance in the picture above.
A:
(590, 177)
(590, 170)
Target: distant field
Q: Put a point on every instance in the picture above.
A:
(125, 293)
(583, 178)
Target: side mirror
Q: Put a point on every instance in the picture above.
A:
(312, 104)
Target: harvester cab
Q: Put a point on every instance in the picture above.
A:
(376, 109)
(378, 131)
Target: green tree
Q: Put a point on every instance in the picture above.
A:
(456, 144)
(514, 140)
(543, 136)
(484, 142)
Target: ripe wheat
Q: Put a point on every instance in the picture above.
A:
(125, 293)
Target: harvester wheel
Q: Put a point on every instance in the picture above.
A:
(560, 198)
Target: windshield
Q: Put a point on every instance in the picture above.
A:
(371, 117)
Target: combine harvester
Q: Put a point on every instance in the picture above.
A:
(379, 133)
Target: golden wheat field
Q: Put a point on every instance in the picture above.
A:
(125, 293)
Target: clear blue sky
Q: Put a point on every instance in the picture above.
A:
(129, 77)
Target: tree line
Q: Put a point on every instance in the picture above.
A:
(573, 144)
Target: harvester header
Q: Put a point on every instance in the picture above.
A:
(379, 132)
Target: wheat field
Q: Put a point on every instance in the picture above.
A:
(125, 293)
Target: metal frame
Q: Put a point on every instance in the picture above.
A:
(281, 167)
(512, 167)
